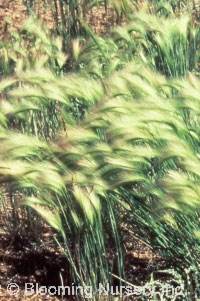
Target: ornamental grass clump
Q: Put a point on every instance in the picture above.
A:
(132, 153)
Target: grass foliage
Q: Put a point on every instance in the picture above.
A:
(114, 135)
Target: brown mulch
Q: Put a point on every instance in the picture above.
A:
(5, 296)
(20, 263)
(14, 12)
